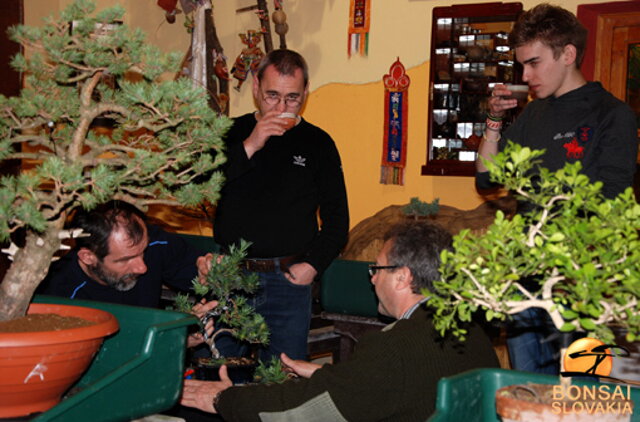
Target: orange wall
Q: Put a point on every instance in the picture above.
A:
(353, 115)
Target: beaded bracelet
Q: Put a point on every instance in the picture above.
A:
(494, 118)
(484, 138)
(493, 125)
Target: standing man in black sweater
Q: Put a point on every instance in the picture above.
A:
(281, 183)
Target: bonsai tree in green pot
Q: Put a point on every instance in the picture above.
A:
(583, 250)
(160, 139)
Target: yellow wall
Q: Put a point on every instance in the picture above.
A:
(346, 93)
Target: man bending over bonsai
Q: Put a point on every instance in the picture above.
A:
(123, 261)
(392, 375)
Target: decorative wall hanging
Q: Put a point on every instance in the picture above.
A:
(261, 10)
(249, 58)
(396, 104)
(359, 27)
(205, 62)
(198, 68)
(170, 9)
(280, 21)
(263, 15)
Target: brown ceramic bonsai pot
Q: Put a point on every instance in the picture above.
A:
(38, 367)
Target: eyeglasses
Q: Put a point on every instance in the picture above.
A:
(373, 269)
(291, 100)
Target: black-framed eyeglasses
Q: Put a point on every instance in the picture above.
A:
(373, 269)
(292, 100)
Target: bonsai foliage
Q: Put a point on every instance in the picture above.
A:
(162, 137)
(272, 372)
(418, 208)
(580, 250)
(227, 284)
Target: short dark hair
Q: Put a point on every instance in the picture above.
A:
(286, 62)
(417, 246)
(553, 26)
(101, 221)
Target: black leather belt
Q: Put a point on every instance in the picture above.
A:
(266, 265)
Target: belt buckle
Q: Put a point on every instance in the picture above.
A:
(258, 265)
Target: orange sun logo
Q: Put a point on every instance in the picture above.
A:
(588, 356)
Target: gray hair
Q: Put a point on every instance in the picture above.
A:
(417, 246)
(286, 62)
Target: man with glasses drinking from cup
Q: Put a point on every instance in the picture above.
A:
(285, 193)
(573, 120)
(392, 375)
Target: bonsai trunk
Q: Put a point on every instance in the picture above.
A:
(29, 267)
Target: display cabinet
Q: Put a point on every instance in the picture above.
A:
(469, 54)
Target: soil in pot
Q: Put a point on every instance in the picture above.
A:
(577, 403)
(240, 369)
(42, 322)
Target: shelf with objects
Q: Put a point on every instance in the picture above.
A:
(469, 54)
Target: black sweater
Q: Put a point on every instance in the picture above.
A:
(588, 125)
(273, 199)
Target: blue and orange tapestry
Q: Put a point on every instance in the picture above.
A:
(394, 149)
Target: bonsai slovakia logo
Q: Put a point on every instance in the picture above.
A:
(591, 357)
(588, 356)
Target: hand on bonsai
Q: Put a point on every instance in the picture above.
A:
(302, 273)
(204, 266)
(200, 394)
(200, 310)
(300, 367)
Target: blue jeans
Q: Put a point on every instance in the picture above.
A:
(530, 347)
(535, 343)
(286, 308)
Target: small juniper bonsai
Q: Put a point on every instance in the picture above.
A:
(581, 248)
(418, 208)
(230, 286)
(272, 372)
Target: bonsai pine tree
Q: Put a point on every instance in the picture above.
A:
(582, 250)
(162, 148)
(227, 284)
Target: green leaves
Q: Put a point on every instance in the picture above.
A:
(418, 208)
(577, 253)
(165, 142)
(272, 372)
